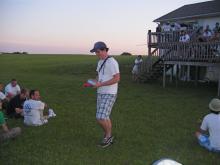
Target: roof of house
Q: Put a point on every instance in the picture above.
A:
(203, 9)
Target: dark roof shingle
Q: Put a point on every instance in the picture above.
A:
(203, 9)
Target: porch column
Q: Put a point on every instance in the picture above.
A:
(180, 71)
(219, 81)
(196, 76)
(177, 73)
(164, 75)
(188, 73)
(171, 74)
(149, 47)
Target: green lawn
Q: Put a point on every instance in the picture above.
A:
(149, 122)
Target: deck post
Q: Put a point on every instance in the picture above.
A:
(149, 48)
(219, 81)
(164, 75)
(188, 73)
(177, 72)
(171, 74)
(196, 76)
(180, 71)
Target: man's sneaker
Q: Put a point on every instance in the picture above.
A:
(106, 142)
(11, 134)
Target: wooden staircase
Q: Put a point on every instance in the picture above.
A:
(153, 71)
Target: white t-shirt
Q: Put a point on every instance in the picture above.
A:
(2, 96)
(13, 90)
(207, 34)
(109, 69)
(166, 28)
(184, 38)
(137, 63)
(32, 112)
(211, 122)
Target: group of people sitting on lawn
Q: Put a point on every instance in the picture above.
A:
(21, 103)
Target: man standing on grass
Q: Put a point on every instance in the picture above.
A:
(107, 87)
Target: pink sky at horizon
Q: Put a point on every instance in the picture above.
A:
(72, 26)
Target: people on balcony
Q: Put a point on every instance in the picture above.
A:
(166, 27)
(216, 32)
(216, 29)
(184, 37)
(182, 32)
(207, 35)
(177, 26)
(208, 29)
(158, 28)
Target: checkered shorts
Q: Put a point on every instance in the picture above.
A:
(105, 103)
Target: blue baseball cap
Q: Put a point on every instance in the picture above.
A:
(98, 45)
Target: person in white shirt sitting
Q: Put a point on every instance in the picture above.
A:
(3, 98)
(33, 110)
(207, 35)
(184, 37)
(166, 27)
(2, 95)
(209, 132)
(12, 89)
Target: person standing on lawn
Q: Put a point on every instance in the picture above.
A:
(107, 88)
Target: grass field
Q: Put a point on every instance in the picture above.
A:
(149, 122)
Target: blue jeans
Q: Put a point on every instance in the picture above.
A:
(204, 142)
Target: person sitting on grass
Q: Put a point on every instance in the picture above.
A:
(15, 105)
(2, 95)
(210, 125)
(33, 110)
(7, 133)
(3, 98)
(12, 89)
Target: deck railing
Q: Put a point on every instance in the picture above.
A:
(155, 38)
(191, 51)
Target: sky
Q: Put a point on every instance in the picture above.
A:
(73, 26)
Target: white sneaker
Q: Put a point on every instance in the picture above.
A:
(54, 115)
(51, 113)
(45, 121)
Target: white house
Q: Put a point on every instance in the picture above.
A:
(204, 13)
(197, 15)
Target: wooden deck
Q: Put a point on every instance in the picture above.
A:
(167, 47)
(165, 51)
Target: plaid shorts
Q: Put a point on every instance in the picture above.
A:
(105, 103)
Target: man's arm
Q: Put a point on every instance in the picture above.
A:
(8, 94)
(200, 131)
(115, 79)
(18, 110)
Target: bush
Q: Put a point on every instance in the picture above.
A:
(126, 54)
